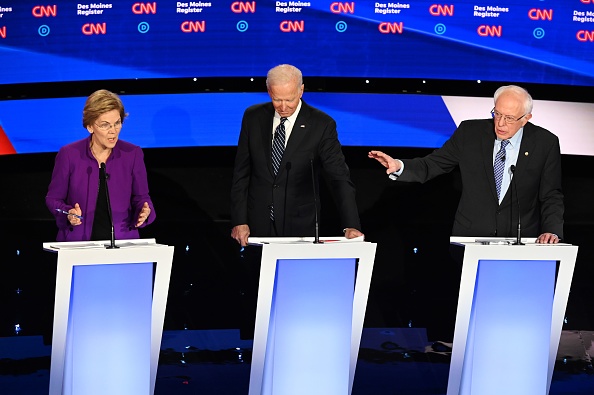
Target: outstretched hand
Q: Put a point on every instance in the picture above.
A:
(386, 160)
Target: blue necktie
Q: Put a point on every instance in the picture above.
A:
(499, 166)
(278, 149)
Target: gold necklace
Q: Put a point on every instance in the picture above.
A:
(97, 155)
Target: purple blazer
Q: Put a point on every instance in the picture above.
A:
(75, 179)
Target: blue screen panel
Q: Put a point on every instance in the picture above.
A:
(214, 119)
(516, 40)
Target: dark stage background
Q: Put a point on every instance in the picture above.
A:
(415, 282)
(50, 52)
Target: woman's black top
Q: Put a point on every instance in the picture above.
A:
(101, 223)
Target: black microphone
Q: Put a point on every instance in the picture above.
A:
(313, 179)
(106, 176)
(288, 167)
(503, 158)
(513, 182)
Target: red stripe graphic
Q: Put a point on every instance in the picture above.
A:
(5, 144)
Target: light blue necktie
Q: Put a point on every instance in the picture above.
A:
(499, 166)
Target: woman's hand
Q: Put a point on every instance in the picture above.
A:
(144, 213)
(74, 214)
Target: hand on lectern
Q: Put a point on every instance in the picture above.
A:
(547, 238)
(241, 233)
(351, 233)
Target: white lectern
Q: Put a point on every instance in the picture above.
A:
(108, 316)
(510, 314)
(309, 316)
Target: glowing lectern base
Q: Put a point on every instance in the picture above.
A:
(510, 314)
(108, 316)
(309, 318)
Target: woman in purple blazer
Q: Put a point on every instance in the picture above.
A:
(77, 192)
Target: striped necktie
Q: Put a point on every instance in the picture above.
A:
(278, 145)
(278, 149)
(499, 166)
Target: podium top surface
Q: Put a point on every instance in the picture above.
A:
(468, 240)
(301, 240)
(55, 246)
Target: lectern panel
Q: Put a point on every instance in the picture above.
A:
(311, 306)
(109, 333)
(312, 314)
(510, 314)
(108, 316)
(510, 328)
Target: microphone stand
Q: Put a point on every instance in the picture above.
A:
(112, 245)
(317, 225)
(518, 241)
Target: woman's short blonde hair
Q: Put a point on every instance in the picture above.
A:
(100, 102)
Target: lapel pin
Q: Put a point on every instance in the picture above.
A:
(526, 153)
(301, 126)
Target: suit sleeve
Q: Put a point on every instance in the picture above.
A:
(338, 176)
(550, 195)
(441, 161)
(241, 178)
(140, 189)
(58, 189)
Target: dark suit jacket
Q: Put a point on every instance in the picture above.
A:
(255, 188)
(537, 181)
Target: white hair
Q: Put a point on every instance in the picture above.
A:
(283, 74)
(518, 91)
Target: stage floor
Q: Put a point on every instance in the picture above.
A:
(391, 361)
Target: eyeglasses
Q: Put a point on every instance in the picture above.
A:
(105, 126)
(507, 118)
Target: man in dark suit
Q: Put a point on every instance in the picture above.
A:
(530, 154)
(272, 192)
